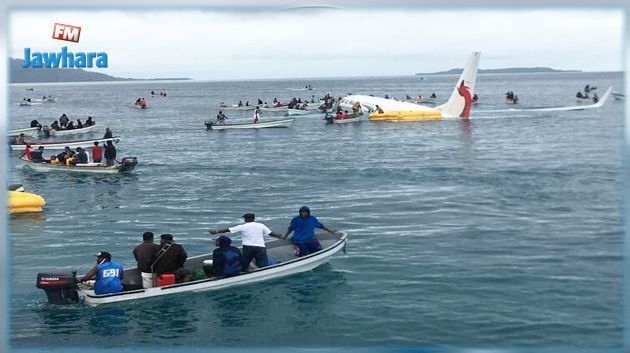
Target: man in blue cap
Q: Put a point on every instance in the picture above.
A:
(303, 227)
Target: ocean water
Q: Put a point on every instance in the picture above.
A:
(502, 231)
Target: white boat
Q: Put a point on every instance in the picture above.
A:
(275, 109)
(29, 131)
(291, 112)
(140, 106)
(127, 164)
(61, 287)
(355, 119)
(237, 108)
(60, 145)
(211, 125)
(618, 96)
(73, 131)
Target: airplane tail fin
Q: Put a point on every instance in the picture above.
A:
(460, 102)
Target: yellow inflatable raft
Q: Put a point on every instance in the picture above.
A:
(406, 116)
(25, 202)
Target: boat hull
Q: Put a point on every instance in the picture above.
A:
(88, 168)
(259, 125)
(61, 145)
(29, 131)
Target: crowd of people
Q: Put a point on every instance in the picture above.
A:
(169, 257)
(160, 93)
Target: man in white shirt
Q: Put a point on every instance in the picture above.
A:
(253, 239)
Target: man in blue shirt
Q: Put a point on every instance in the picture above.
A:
(109, 274)
(303, 227)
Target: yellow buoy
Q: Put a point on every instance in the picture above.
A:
(25, 202)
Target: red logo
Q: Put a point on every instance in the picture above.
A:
(66, 32)
(464, 91)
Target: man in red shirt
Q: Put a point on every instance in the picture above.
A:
(97, 153)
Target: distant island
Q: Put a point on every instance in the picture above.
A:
(509, 70)
(17, 74)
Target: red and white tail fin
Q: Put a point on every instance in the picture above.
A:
(458, 105)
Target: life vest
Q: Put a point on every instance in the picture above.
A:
(232, 264)
(69, 160)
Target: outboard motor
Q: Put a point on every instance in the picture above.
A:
(128, 163)
(60, 286)
(328, 118)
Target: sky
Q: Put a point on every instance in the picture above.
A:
(210, 44)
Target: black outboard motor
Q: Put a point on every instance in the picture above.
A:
(128, 163)
(60, 286)
(328, 118)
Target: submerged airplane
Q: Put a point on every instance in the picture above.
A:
(457, 106)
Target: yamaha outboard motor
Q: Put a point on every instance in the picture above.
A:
(128, 163)
(60, 286)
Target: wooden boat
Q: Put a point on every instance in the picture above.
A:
(127, 164)
(29, 131)
(61, 285)
(73, 131)
(211, 125)
(60, 145)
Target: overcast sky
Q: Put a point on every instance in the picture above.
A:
(326, 43)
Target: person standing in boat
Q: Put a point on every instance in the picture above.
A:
(38, 155)
(145, 251)
(303, 228)
(110, 153)
(227, 260)
(256, 115)
(221, 118)
(97, 153)
(63, 120)
(253, 239)
(108, 133)
(109, 275)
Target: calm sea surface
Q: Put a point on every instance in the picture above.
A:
(499, 232)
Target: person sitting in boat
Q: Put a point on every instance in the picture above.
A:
(108, 133)
(579, 95)
(70, 126)
(303, 228)
(312, 98)
(222, 105)
(260, 102)
(170, 258)
(227, 260)
(595, 98)
(79, 124)
(253, 240)
(19, 140)
(240, 103)
(356, 108)
(153, 92)
(28, 100)
(145, 252)
(256, 115)
(247, 104)
(109, 275)
(379, 110)
(63, 120)
(387, 96)
(38, 155)
(89, 121)
(137, 101)
(221, 118)
(35, 123)
(53, 160)
(408, 97)
(339, 115)
(433, 96)
(66, 153)
(587, 89)
(80, 157)
(54, 125)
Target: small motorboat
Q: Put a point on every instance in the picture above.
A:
(71, 131)
(618, 96)
(60, 145)
(29, 131)
(262, 124)
(350, 119)
(127, 164)
(61, 286)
